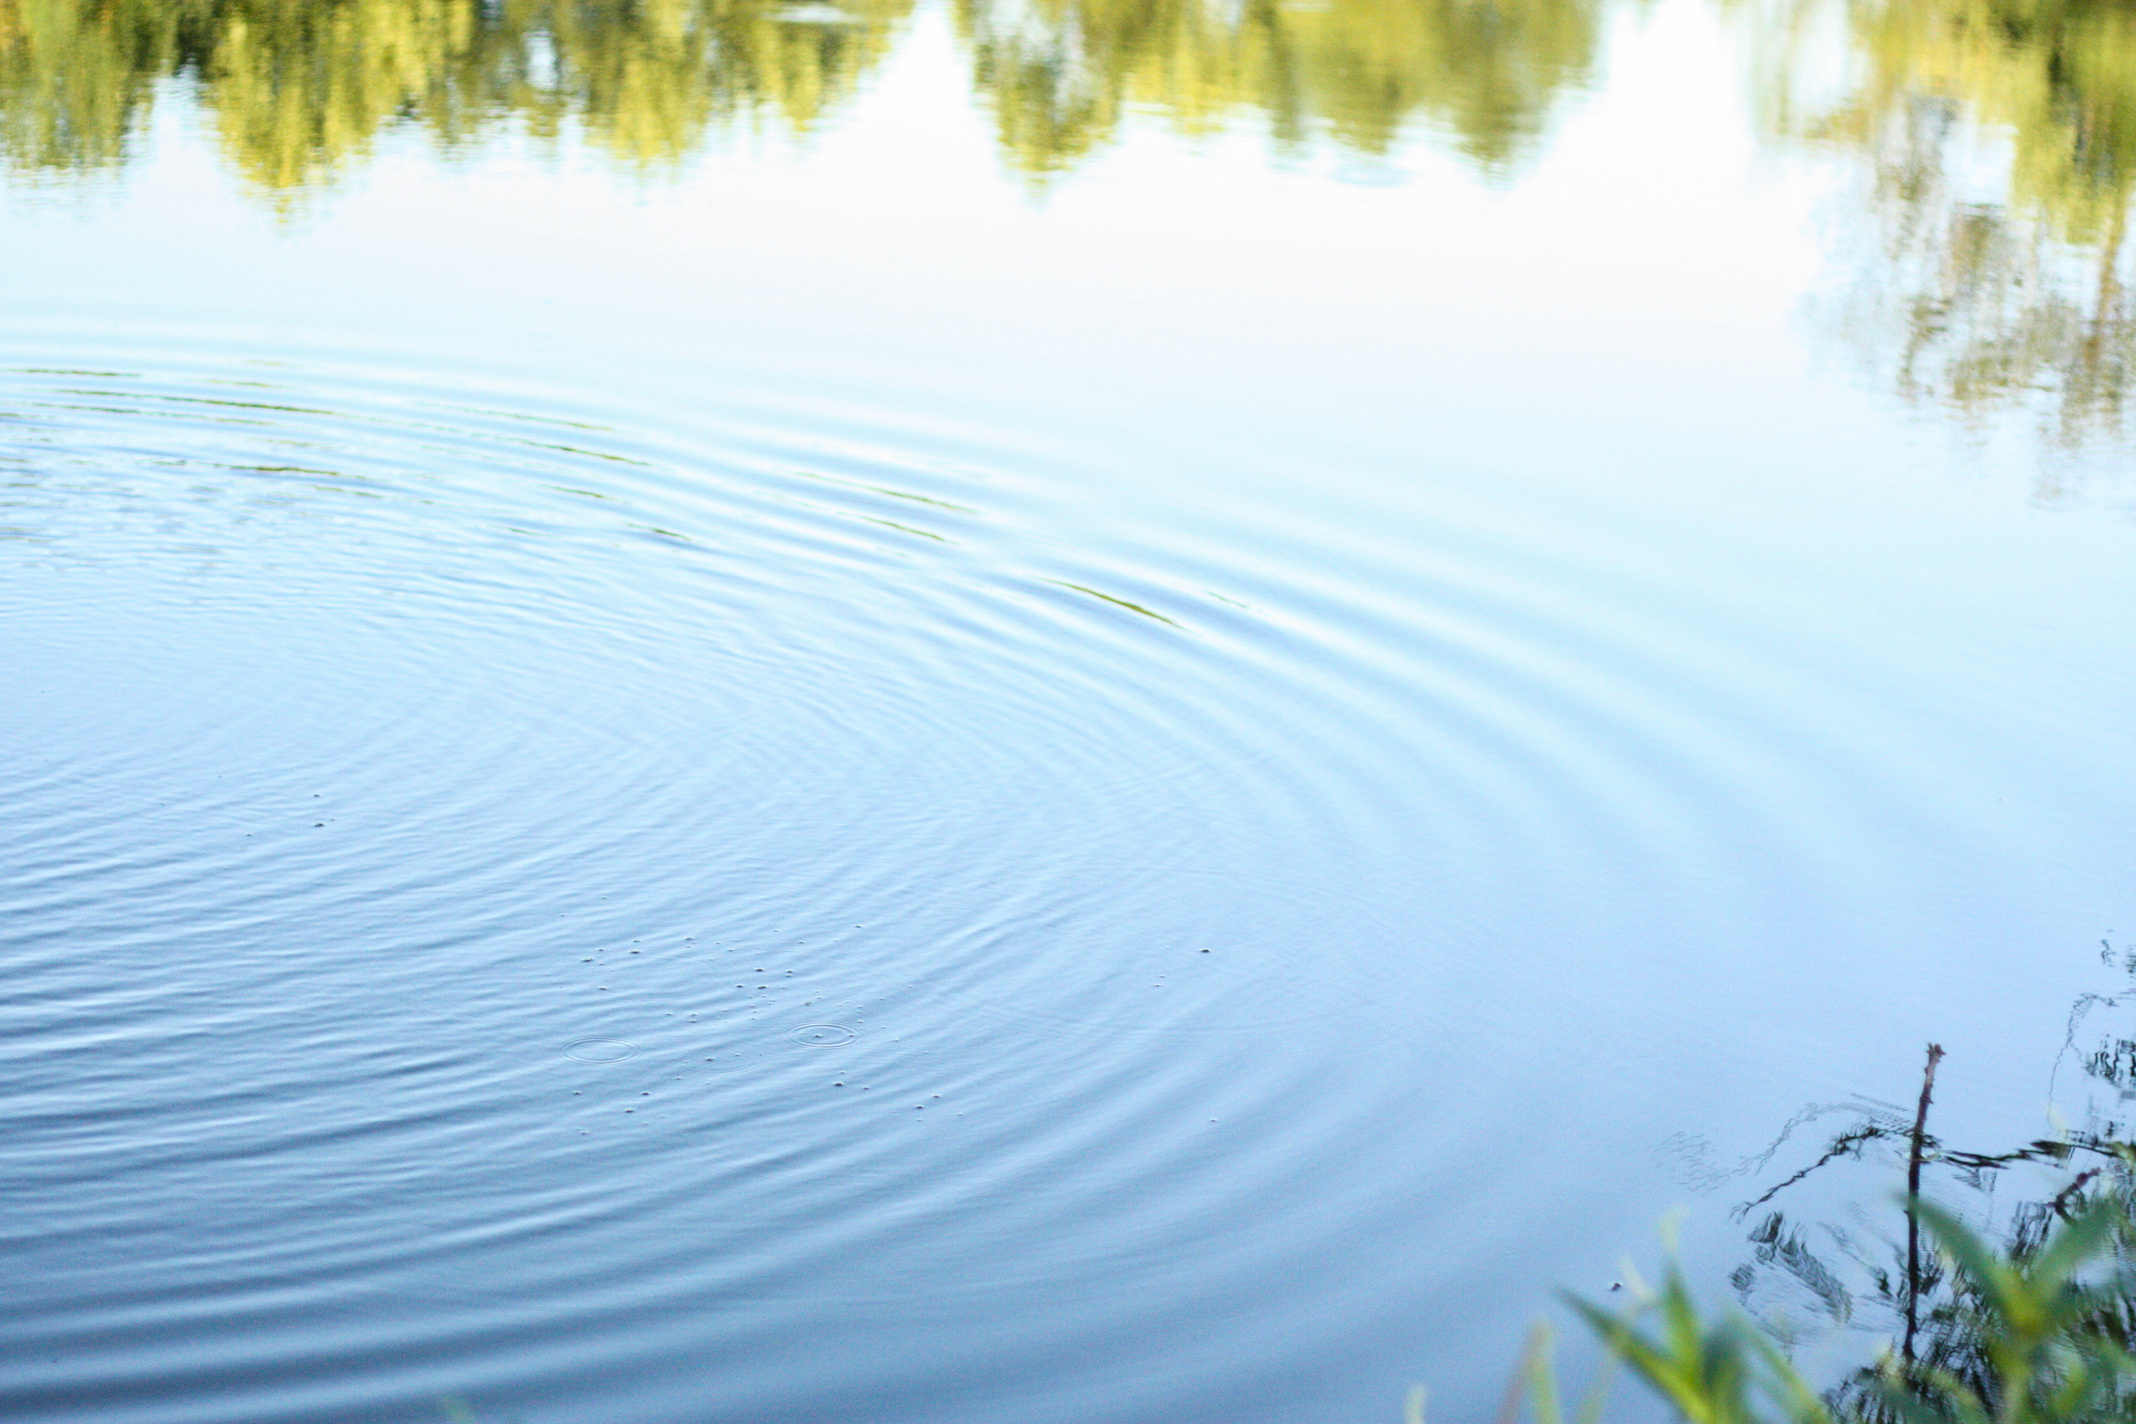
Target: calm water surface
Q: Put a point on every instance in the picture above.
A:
(1042, 712)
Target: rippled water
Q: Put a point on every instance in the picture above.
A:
(614, 812)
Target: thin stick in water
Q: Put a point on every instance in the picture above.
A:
(1913, 1197)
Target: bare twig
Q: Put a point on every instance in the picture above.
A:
(1913, 1198)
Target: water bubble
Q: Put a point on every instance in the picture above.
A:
(600, 1050)
(823, 1035)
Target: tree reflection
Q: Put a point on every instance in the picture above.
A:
(2001, 145)
(1060, 74)
(297, 89)
(74, 79)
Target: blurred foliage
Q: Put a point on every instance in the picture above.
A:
(2000, 139)
(297, 89)
(2045, 1329)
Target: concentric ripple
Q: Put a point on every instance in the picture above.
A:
(436, 824)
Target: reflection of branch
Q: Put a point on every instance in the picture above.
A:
(1930, 1149)
(2084, 1004)
(2109, 291)
(1847, 1144)
(2043, 1150)
(2060, 1204)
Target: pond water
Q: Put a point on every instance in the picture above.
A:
(1057, 711)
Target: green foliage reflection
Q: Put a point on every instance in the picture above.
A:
(74, 79)
(1060, 74)
(1996, 138)
(297, 89)
(1983, 294)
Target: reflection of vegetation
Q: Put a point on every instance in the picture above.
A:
(1946, 1316)
(1061, 73)
(1943, 1319)
(74, 79)
(1981, 297)
(298, 87)
(2035, 1329)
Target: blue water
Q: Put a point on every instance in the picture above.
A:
(820, 787)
